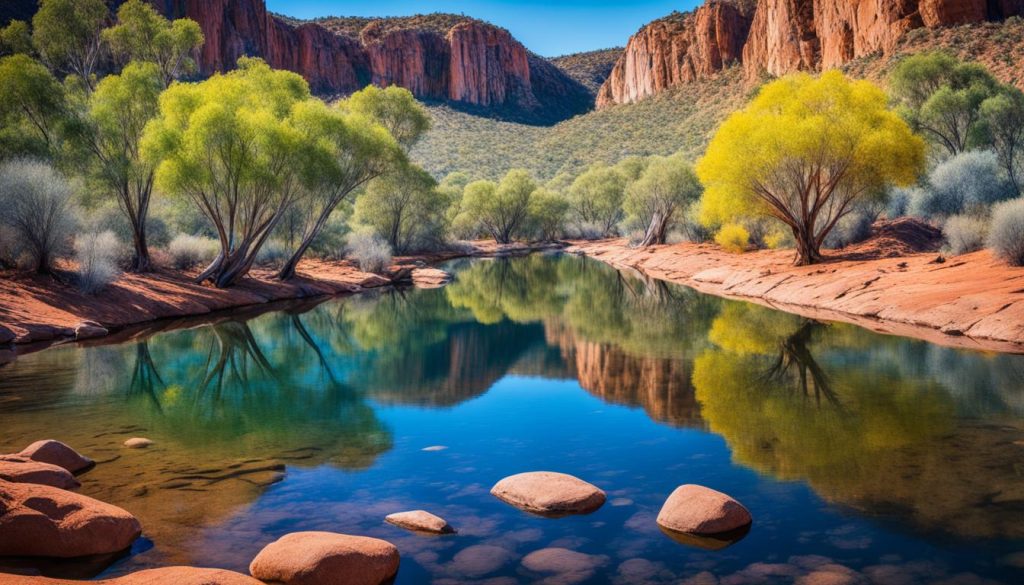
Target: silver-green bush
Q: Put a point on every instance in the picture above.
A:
(370, 251)
(187, 251)
(964, 234)
(967, 183)
(1006, 232)
(96, 254)
(36, 212)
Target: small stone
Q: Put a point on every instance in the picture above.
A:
(326, 558)
(420, 521)
(434, 448)
(694, 509)
(57, 453)
(549, 493)
(138, 443)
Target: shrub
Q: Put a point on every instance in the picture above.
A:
(186, 251)
(899, 201)
(967, 183)
(1006, 234)
(274, 252)
(370, 251)
(36, 211)
(96, 254)
(964, 233)
(733, 238)
(851, 229)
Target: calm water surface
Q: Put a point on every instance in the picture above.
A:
(882, 459)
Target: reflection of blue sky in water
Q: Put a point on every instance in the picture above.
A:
(557, 364)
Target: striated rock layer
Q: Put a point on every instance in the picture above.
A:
(473, 63)
(777, 37)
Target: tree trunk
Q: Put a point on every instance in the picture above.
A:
(807, 251)
(287, 271)
(141, 262)
(657, 231)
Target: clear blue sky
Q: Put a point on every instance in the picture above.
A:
(546, 27)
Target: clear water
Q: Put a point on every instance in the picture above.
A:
(870, 458)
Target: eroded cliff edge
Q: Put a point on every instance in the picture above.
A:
(777, 37)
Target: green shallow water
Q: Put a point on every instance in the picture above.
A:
(872, 458)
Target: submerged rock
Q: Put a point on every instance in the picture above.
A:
(326, 558)
(430, 277)
(420, 521)
(89, 330)
(568, 566)
(697, 510)
(549, 493)
(138, 443)
(17, 469)
(57, 453)
(45, 521)
(161, 576)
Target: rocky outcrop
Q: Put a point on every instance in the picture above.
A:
(777, 37)
(472, 63)
(44, 521)
(678, 49)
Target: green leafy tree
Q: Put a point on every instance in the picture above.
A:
(499, 209)
(660, 195)
(393, 107)
(941, 97)
(1002, 117)
(404, 207)
(229, 145)
(33, 108)
(111, 136)
(806, 151)
(595, 198)
(351, 149)
(143, 34)
(15, 38)
(68, 35)
(547, 213)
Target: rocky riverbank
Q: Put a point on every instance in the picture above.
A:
(37, 311)
(895, 283)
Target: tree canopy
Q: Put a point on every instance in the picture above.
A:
(660, 194)
(143, 34)
(803, 152)
(67, 35)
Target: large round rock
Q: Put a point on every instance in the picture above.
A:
(17, 469)
(694, 509)
(549, 493)
(161, 576)
(57, 453)
(43, 521)
(326, 558)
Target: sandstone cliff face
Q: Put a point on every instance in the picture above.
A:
(779, 37)
(677, 50)
(475, 63)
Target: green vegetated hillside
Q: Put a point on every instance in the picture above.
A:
(590, 68)
(680, 119)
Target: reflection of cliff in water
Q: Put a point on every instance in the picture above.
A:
(659, 385)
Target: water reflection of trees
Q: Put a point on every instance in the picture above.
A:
(792, 402)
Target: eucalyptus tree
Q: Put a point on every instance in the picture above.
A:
(143, 34)
(231, 146)
(404, 207)
(67, 34)
(665, 188)
(393, 107)
(499, 209)
(33, 108)
(350, 149)
(595, 198)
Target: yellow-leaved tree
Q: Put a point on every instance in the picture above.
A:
(806, 151)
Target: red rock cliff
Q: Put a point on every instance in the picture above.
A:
(675, 50)
(778, 37)
(474, 63)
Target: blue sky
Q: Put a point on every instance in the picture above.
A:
(550, 28)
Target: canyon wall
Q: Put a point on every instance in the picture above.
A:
(777, 37)
(474, 63)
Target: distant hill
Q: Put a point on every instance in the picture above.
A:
(590, 68)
